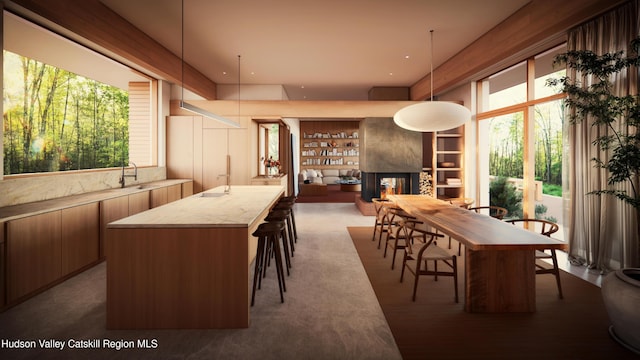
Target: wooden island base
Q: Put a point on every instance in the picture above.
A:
(186, 265)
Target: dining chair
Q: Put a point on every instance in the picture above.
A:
(422, 250)
(379, 225)
(546, 228)
(396, 238)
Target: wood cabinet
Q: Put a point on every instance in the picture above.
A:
(80, 238)
(111, 210)
(187, 189)
(443, 157)
(34, 253)
(138, 202)
(329, 145)
(3, 267)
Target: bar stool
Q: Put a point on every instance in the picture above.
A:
(267, 234)
(282, 216)
(291, 225)
(291, 200)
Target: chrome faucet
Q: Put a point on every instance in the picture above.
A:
(227, 186)
(134, 176)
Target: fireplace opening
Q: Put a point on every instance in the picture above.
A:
(380, 185)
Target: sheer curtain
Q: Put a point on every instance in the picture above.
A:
(602, 232)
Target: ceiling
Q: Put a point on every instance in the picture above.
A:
(317, 50)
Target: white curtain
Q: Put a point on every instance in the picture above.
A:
(603, 230)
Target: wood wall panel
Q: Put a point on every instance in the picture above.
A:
(33, 253)
(140, 123)
(180, 149)
(534, 28)
(94, 21)
(80, 228)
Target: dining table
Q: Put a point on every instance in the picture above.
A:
(499, 258)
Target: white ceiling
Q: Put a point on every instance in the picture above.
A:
(318, 50)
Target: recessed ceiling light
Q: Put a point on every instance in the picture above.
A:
(302, 87)
(390, 74)
(224, 73)
(406, 56)
(252, 73)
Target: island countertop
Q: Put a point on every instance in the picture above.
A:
(211, 208)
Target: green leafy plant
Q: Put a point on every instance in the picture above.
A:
(504, 194)
(599, 104)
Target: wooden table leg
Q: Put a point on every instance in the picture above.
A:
(500, 281)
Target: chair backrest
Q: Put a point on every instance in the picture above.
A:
(464, 203)
(494, 211)
(545, 227)
(378, 204)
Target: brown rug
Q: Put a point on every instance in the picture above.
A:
(435, 327)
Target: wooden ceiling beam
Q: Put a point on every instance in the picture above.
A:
(535, 27)
(95, 22)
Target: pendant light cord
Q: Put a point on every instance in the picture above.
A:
(182, 52)
(431, 76)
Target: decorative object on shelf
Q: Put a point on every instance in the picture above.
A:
(447, 164)
(432, 115)
(273, 166)
(425, 184)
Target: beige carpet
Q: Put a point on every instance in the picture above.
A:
(435, 327)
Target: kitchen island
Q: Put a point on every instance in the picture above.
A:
(186, 265)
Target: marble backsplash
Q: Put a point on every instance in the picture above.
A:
(40, 187)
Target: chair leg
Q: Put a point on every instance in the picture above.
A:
(455, 276)
(404, 264)
(257, 272)
(556, 270)
(415, 282)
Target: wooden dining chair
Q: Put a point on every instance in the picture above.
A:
(396, 238)
(546, 228)
(422, 250)
(379, 226)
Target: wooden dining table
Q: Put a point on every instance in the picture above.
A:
(499, 257)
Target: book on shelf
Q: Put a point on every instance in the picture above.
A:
(454, 181)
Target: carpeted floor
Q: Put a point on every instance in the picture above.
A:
(435, 327)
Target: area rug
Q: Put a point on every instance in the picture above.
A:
(435, 327)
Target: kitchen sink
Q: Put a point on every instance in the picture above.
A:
(212, 194)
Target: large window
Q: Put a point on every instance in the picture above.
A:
(55, 120)
(520, 123)
(67, 107)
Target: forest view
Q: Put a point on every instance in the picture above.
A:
(55, 120)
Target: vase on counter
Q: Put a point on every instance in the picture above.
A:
(272, 171)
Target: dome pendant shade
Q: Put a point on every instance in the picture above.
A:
(432, 116)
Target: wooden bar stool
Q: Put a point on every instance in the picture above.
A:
(290, 223)
(267, 234)
(291, 200)
(282, 216)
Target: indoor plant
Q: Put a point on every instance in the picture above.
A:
(618, 117)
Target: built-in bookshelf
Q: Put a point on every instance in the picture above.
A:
(444, 160)
(329, 145)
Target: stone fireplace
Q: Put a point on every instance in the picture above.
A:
(390, 158)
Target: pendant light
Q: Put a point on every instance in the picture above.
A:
(432, 115)
(190, 107)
